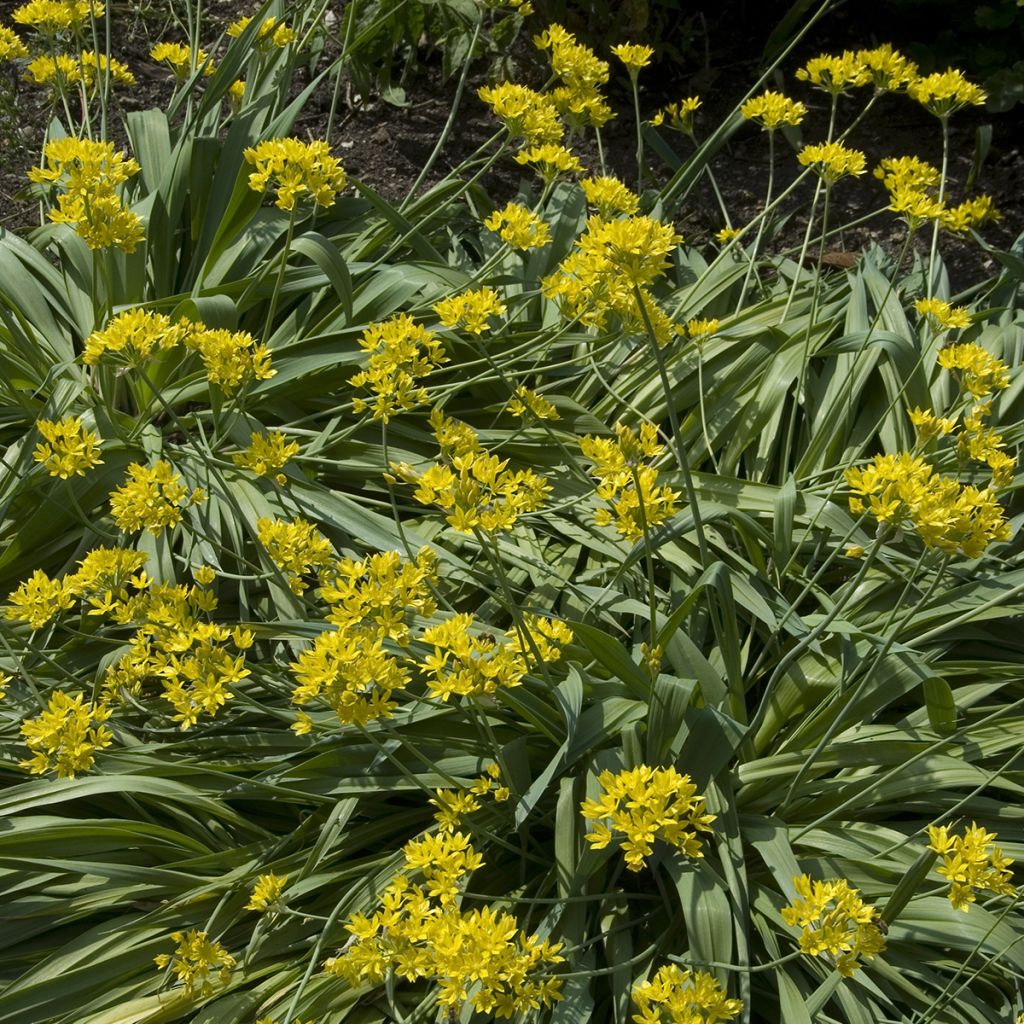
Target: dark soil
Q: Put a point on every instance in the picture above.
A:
(387, 146)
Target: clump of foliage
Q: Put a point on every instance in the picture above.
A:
(445, 612)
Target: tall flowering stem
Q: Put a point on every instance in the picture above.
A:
(942, 191)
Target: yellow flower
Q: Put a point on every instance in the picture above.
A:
(683, 997)
(470, 310)
(197, 962)
(887, 69)
(53, 16)
(151, 499)
(574, 63)
(678, 115)
(526, 402)
(906, 172)
(834, 920)
(945, 92)
(11, 46)
(38, 599)
(90, 172)
(943, 315)
(132, 335)
(726, 235)
(832, 160)
(550, 161)
(526, 114)
(610, 197)
(296, 169)
(699, 331)
(476, 490)
(835, 75)
(643, 804)
(179, 57)
(633, 56)
(70, 447)
(230, 358)
(772, 110)
(64, 738)
(929, 425)
(270, 33)
(627, 483)
(204, 575)
(295, 547)
(962, 218)
(519, 227)
(266, 892)
(980, 371)
(971, 862)
(401, 352)
(267, 453)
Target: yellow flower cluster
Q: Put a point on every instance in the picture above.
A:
(88, 71)
(700, 331)
(608, 273)
(627, 482)
(519, 228)
(296, 169)
(11, 46)
(929, 426)
(454, 804)
(53, 16)
(70, 448)
(266, 892)
(103, 572)
(90, 173)
(174, 644)
(296, 548)
(971, 862)
(578, 99)
(835, 74)
(945, 92)
(943, 315)
(267, 453)
(832, 160)
(525, 113)
(197, 962)
(230, 358)
(269, 34)
(979, 371)
(369, 601)
(678, 115)
(179, 57)
(888, 69)
(65, 737)
(151, 498)
(675, 996)
(834, 920)
(643, 804)
(529, 402)
(132, 336)
(633, 56)
(470, 310)
(983, 444)
(420, 932)
(470, 665)
(772, 110)
(609, 197)
(550, 160)
(475, 489)
(911, 184)
(905, 491)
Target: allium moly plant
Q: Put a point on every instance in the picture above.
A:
(467, 610)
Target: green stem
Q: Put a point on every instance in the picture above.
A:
(280, 274)
(942, 192)
(639, 131)
(763, 220)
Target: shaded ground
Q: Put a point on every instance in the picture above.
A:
(387, 146)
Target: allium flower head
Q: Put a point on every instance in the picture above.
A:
(888, 69)
(65, 737)
(834, 920)
(270, 33)
(179, 58)
(945, 92)
(633, 56)
(266, 454)
(52, 16)
(943, 315)
(266, 892)
(296, 547)
(609, 197)
(550, 161)
(151, 499)
(198, 962)
(643, 804)
(678, 115)
(772, 110)
(69, 448)
(470, 310)
(526, 114)
(971, 862)
(11, 46)
(832, 160)
(296, 170)
(979, 371)
(677, 996)
(38, 599)
(835, 74)
(519, 228)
